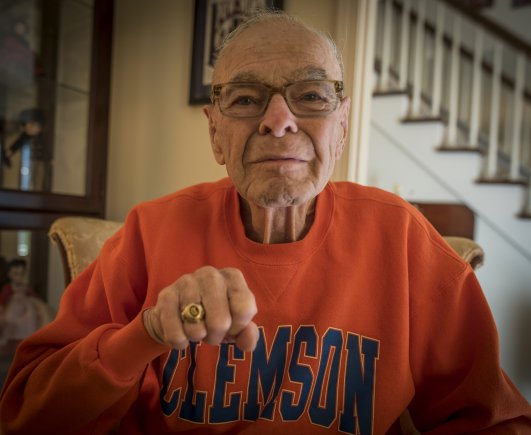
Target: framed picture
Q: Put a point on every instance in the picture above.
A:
(478, 3)
(520, 3)
(215, 19)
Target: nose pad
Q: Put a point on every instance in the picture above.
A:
(278, 118)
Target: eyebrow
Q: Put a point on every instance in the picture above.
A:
(245, 77)
(311, 73)
(306, 73)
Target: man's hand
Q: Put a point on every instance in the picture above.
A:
(229, 308)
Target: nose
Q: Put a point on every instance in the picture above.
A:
(278, 119)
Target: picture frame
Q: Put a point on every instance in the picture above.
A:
(478, 4)
(520, 3)
(213, 20)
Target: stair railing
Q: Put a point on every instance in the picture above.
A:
(460, 67)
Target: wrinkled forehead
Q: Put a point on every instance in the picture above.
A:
(276, 53)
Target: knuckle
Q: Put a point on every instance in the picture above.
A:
(166, 296)
(206, 271)
(210, 280)
(244, 315)
(175, 340)
(196, 334)
(244, 303)
(184, 281)
(219, 326)
(232, 273)
(253, 309)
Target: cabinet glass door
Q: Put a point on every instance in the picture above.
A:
(45, 77)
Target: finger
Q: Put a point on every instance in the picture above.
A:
(188, 289)
(152, 325)
(167, 318)
(242, 303)
(248, 337)
(214, 298)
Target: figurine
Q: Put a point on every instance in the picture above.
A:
(35, 159)
(21, 311)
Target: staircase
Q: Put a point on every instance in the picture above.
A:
(451, 123)
(452, 95)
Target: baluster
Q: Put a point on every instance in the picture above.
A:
(519, 77)
(404, 44)
(492, 153)
(437, 63)
(505, 121)
(475, 109)
(527, 208)
(453, 107)
(419, 59)
(386, 45)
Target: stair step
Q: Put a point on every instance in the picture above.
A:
(389, 92)
(502, 180)
(394, 104)
(410, 119)
(460, 149)
(455, 169)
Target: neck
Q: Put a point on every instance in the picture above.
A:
(277, 224)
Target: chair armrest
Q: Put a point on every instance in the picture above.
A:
(468, 250)
(79, 240)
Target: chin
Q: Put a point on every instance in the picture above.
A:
(282, 193)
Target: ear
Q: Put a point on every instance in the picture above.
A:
(343, 122)
(216, 148)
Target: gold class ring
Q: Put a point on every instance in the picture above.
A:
(193, 313)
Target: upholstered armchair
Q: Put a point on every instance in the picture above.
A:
(79, 240)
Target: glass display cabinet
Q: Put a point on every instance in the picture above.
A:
(55, 58)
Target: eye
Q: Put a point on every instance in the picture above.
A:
(243, 101)
(311, 96)
(242, 97)
(309, 93)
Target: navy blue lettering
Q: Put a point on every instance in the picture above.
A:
(219, 413)
(359, 386)
(299, 373)
(189, 410)
(267, 373)
(169, 406)
(324, 416)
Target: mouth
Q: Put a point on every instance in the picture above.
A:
(279, 159)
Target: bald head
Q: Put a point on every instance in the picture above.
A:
(269, 27)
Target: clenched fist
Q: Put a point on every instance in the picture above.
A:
(229, 308)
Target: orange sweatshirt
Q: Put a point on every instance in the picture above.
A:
(371, 313)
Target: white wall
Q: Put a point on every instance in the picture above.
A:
(515, 20)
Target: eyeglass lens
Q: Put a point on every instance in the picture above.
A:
(307, 98)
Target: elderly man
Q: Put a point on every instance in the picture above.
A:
(272, 300)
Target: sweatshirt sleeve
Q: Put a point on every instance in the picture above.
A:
(454, 356)
(82, 372)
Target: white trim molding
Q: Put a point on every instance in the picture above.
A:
(355, 36)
